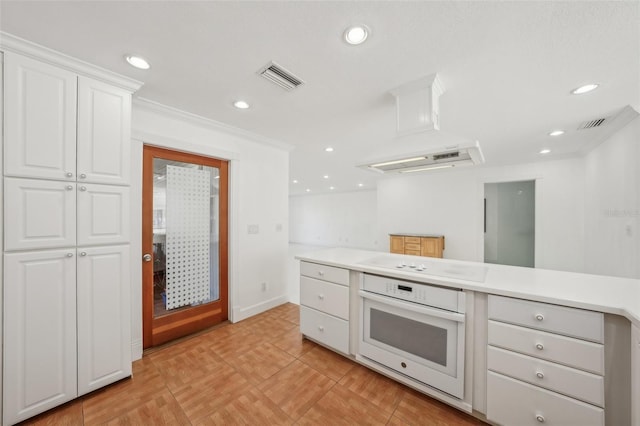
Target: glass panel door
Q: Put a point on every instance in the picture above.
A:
(186, 239)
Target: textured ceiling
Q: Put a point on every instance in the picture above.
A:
(507, 68)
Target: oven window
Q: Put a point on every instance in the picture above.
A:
(423, 340)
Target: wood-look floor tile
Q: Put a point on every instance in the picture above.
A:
(340, 406)
(261, 362)
(288, 311)
(181, 369)
(296, 388)
(249, 408)
(327, 362)
(268, 326)
(69, 414)
(293, 343)
(416, 408)
(162, 409)
(209, 393)
(383, 392)
(227, 345)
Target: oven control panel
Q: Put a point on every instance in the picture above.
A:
(424, 294)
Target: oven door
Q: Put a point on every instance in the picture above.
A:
(426, 344)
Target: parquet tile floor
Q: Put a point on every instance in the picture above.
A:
(257, 372)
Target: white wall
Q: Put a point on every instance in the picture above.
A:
(346, 219)
(612, 205)
(258, 196)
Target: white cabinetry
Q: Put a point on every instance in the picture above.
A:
(545, 364)
(635, 375)
(66, 277)
(324, 305)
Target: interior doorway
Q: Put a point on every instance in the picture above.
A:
(184, 244)
(509, 223)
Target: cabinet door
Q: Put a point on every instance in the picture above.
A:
(39, 332)
(104, 133)
(39, 214)
(104, 326)
(40, 119)
(396, 244)
(103, 214)
(431, 247)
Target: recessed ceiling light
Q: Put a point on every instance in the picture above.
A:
(585, 89)
(326, 176)
(329, 149)
(307, 190)
(545, 151)
(295, 181)
(356, 34)
(138, 62)
(361, 185)
(332, 188)
(241, 104)
(557, 133)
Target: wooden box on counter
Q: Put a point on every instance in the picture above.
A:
(417, 244)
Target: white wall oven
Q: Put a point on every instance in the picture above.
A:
(414, 329)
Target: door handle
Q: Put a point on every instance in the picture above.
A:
(146, 257)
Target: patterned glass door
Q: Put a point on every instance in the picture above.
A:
(184, 244)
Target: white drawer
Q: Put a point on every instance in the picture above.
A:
(511, 402)
(324, 296)
(572, 322)
(326, 273)
(578, 384)
(324, 328)
(576, 353)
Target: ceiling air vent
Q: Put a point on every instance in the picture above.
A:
(280, 76)
(592, 123)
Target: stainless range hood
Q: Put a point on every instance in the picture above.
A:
(420, 145)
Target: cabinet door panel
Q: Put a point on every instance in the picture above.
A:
(39, 332)
(39, 214)
(104, 133)
(103, 214)
(40, 119)
(104, 334)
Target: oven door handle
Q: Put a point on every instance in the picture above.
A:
(414, 307)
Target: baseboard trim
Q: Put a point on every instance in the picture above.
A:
(243, 313)
(136, 349)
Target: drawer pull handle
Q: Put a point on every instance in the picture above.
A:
(83, 176)
(69, 254)
(321, 273)
(321, 296)
(83, 188)
(320, 328)
(69, 187)
(540, 375)
(540, 418)
(539, 346)
(83, 253)
(69, 174)
(539, 317)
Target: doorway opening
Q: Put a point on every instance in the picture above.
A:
(184, 243)
(509, 223)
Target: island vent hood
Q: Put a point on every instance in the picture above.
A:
(420, 145)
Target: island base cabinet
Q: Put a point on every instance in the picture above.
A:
(511, 402)
(325, 329)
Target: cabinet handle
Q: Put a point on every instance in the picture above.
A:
(69, 174)
(540, 418)
(320, 328)
(321, 273)
(83, 253)
(82, 176)
(540, 375)
(539, 317)
(83, 188)
(539, 346)
(69, 187)
(69, 254)
(321, 296)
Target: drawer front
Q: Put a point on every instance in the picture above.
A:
(324, 328)
(412, 252)
(576, 353)
(411, 240)
(414, 247)
(572, 322)
(330, 298)
(568, 381)
(326, 273)
(512, 402)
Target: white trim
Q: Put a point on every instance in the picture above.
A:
(1, 229)
(9, 42)
(136, 349)
(198, 120)
(243, 313)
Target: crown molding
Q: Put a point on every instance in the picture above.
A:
(12, 43)
(172, 112)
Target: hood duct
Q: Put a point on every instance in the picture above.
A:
(420, 145)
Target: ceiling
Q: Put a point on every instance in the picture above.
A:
(507, 68)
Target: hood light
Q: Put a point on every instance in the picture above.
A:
(557, 133)
(584, 89)
(545, 151)
(138, 62)
(329, 149)
(241, 104)
(422, 169)
(404, 160)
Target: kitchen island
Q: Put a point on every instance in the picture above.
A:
(580, 331)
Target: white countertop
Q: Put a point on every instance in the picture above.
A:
(620, 296)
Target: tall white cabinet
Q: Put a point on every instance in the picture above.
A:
(66, 202)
